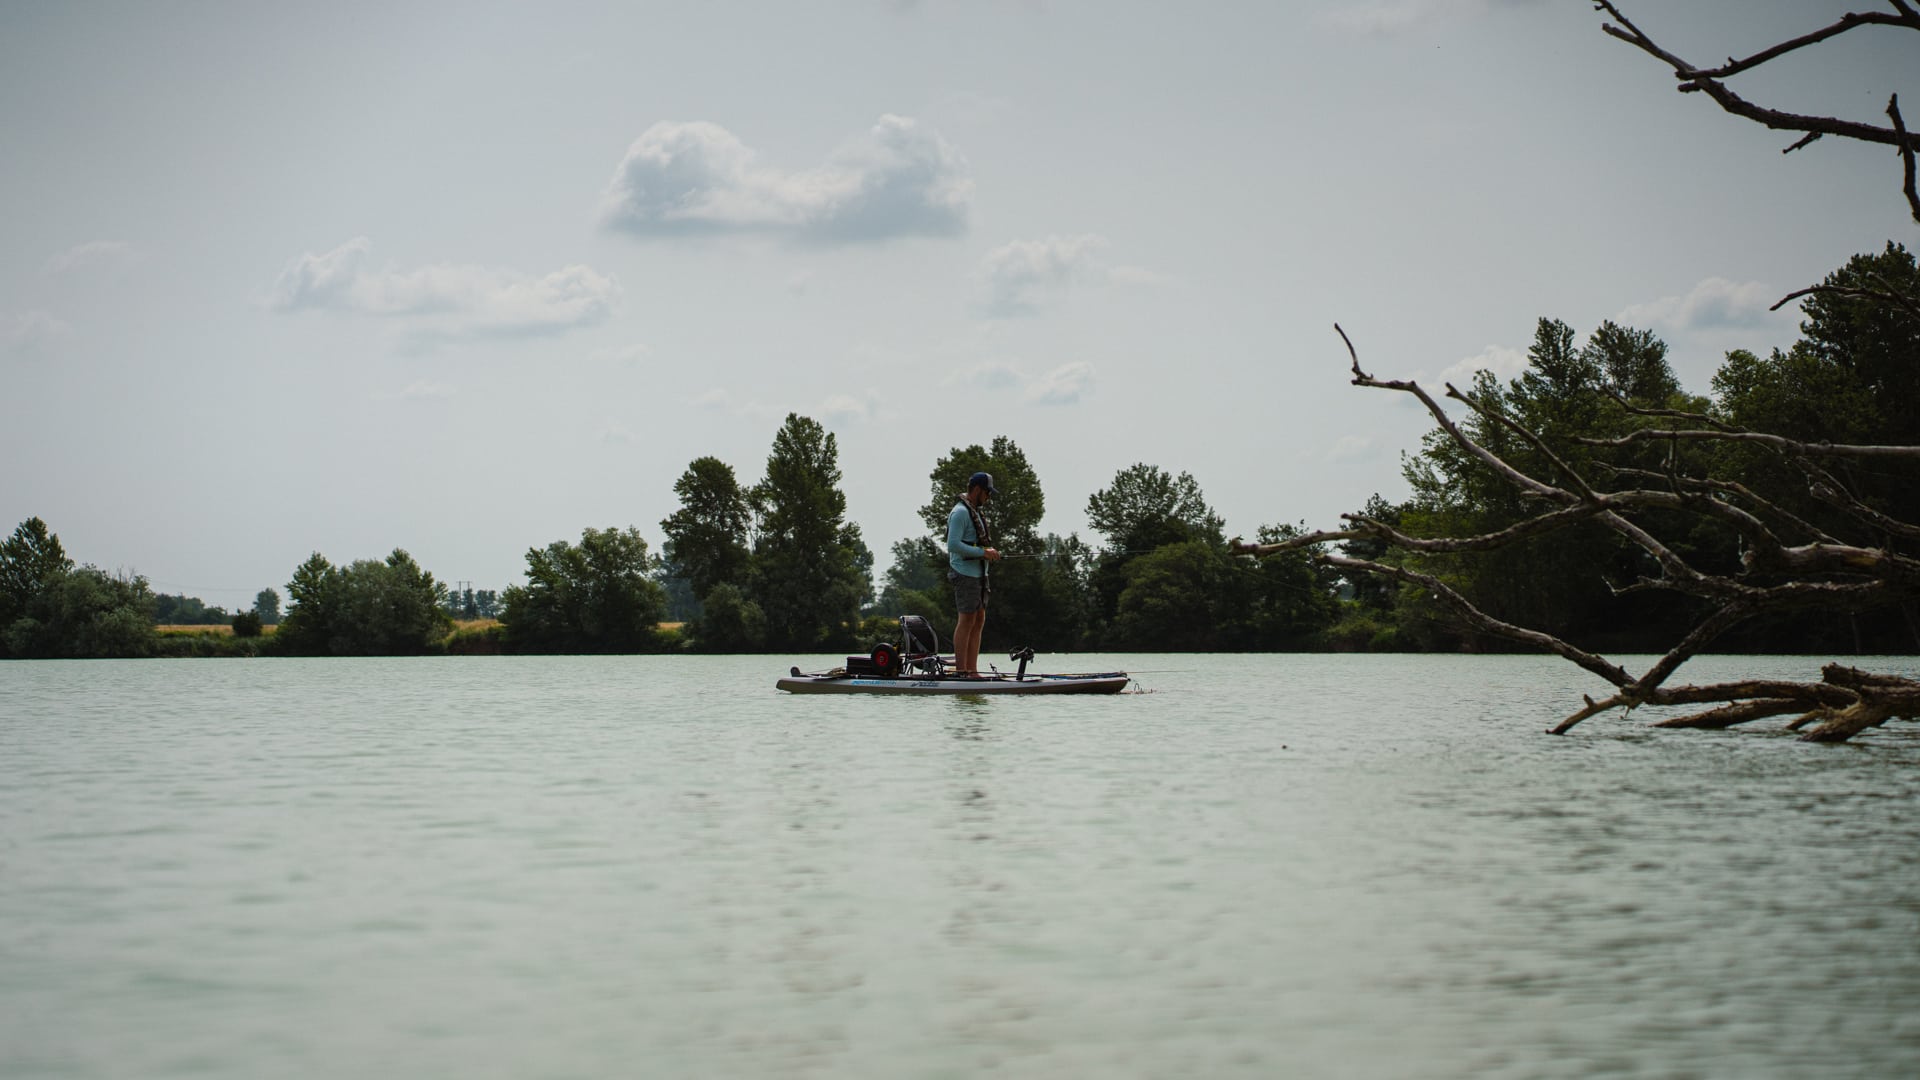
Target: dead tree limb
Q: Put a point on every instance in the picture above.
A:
(1710, 81)
(1823, 572)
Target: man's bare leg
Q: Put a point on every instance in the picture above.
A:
(966, 641)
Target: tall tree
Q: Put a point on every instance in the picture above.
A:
(1631, 363)
(707, 537)
(1142, 511)
(807, 575)
(267, 606)
(1025, 607)
(31, 561)
(1146, 507)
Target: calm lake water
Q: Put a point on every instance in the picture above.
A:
(1273, 866)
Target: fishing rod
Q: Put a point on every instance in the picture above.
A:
(1058, 554)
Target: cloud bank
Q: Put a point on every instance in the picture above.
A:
(1026, 276)
(26, 331)
(110, 255)
(1505, 362)
(898, 179)
(446, 298)
(1714, 303)
(1067, 384)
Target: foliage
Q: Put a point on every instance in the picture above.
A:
(266, 605)
(247, 624)
(31, 561)
(469, 603)
(707, 537)
(1145, 507)
(368, 608)
(597, 596)
(728, 623)
(50, 609)
(1028, 605)
(187, 611)
(811, 570)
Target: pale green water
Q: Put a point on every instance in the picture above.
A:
(652, 867)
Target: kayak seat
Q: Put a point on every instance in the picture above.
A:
(919, 645)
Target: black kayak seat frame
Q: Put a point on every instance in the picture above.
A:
(920, 646)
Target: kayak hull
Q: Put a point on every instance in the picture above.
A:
(1106, 682)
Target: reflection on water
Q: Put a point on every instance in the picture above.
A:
(1331, 866)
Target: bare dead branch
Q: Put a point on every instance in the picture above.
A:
(1910, 304)
(1539, 446)
(1906, 156)
(1695, 79)
(1675, 414)
(1737, 713)
(1492, 461)
(1776, 442)
(1847, 22)
(1824, 572)
(1730, 487)
(1595, 663)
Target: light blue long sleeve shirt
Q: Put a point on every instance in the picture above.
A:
(964, 552)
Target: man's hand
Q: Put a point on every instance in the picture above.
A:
(993, 554)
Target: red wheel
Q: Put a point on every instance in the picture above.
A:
(885, 658)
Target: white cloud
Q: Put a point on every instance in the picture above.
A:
(445, 299)
(848, 409)
(1349, 449)
(109, 255)
(718, 399)
(1064, 385)
(1505, 362)
(1018, 278)
(29, 330)
(897, 179)
(1025, 276)
(1715, 302)
(992, 375)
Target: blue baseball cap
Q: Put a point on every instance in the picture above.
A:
(984, 480)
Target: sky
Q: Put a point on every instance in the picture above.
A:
(469, 278)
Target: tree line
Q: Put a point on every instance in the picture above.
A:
(1851, 379)
(774, 566)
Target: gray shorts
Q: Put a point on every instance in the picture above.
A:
(968, 593)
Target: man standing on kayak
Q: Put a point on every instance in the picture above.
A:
(967, 559)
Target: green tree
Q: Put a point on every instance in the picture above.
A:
(367, 608)
(266, 606)
(809, 575)
(1144, 509)
(1026, 606)
(48, 608)
(1631, 363)
(729, 623)
(707, 537)
(597, 596)
(31, 562)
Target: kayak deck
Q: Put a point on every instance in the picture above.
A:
(1105, 682)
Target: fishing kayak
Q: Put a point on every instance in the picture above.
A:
(1104, 682)
(917, 666)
